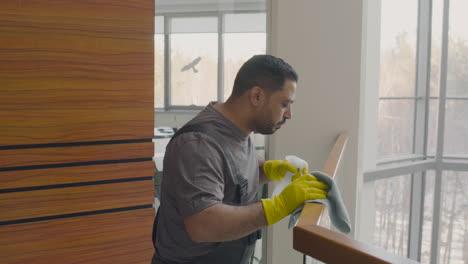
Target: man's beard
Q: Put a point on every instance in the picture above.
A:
(269, 128)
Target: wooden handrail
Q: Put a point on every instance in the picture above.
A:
(311, 213)
(330, 246)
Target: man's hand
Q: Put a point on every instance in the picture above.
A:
(275, 170)
(303, 188)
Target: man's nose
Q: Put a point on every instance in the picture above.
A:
(288, 113)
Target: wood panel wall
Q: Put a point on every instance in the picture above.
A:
(76, 128)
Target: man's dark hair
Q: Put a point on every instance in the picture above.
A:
(265, 71)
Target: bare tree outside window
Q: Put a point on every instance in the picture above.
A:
(454, 214)
(392, 214)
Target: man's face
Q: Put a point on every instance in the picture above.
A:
(276, 109)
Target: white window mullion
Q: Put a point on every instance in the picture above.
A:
(388, 171)
(220, 58)
(416, 215)
(167, 63)
(422, 77)
(420, 127)
(440, 136)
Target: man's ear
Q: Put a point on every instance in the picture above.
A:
(257, 96)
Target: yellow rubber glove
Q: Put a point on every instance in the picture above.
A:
(304, 188)
(275, 170)
(303, 171)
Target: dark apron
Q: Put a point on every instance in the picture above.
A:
(238, 251)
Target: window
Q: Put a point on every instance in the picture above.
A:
(199, 54)
(244, 35)
(392, 214)
(456, 116)
(421, 177)
(397, 78)
(193, 60)
(453, 229)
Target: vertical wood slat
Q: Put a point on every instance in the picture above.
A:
(76, 72)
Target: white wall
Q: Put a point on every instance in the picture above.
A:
(323, 41)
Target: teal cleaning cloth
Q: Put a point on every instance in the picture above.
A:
(336, 210)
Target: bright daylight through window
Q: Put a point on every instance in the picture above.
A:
(423, 131)
(198, 55)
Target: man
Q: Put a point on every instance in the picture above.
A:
(209, 212)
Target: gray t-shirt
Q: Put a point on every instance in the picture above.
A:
(201, 170)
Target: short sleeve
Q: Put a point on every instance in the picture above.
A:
(193, 173)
